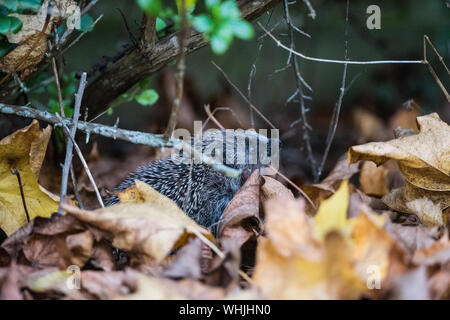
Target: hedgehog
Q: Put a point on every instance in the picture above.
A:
(201, 191)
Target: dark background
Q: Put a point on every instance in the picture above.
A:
(379, 89)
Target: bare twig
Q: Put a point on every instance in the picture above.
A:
(136, 137)
(243, 96)
(75, 188)
(17, 174)
(252, 74)
(83, 162)
(58, 87)
(211, 116)
(337, 108)
(223, 109)
(180, 75)
(282, 176)
(301, 55)
(312, 12)
(430, 68)
(438, 81)
(61, 109)
(69, 146)
(299, 92)
(427, 39)
(88, 7)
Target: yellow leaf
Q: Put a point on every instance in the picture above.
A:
(371, 246)
(332, 213)
(24, 150)
(281, 277)
(190, 5)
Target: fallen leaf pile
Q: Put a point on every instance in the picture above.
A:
(364, 240)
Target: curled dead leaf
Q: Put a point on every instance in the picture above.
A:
(155, 227)
(240, 219)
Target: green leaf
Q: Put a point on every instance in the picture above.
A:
(86, 23)
(242, 29)
(33, 5)
(203, 23)
(190, 5)
(229, 10)
(160, 24)
(226, 32)
(16, 24)
(11, 4)
(211, 3)
(152, 7)
(219, 45)
(5, 24)
(143, 84)
(53, 105)
(147, 97)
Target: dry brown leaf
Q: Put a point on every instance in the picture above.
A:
(320, 258)
(155, 227)
(107, 285)
(372, 246)
(412, 238)
(152, 288)
(24, 150)
(279, 277)
(427, 205)
(373, 179)
(289, 229)
(187, 262)
(32, 42)
(436, 254)
(424, 158)
(80, 246)
(369, 125)
(439, 285)
(275, 189)
(342, 171)
(240, 219)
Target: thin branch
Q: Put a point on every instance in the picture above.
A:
(211, 116)
(75, 188)
(312, 12)
(301, 55)
(282, 176)
(430, 68)
(233, 113)
(136, 137)
(299, 92)
(83, 161)
(425, 37)
(17, 174)
(144, 62)
(337, 107)
(58, 87)
(69, 146)
(243, 96)
(180, 75)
